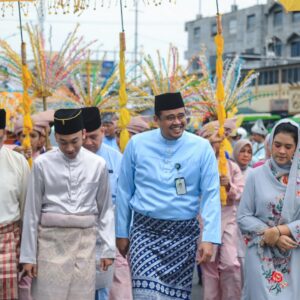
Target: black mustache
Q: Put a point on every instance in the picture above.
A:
(176, 126)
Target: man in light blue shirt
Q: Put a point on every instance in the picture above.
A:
(258, 133)
(109, 124)
(163, 175)
(112, 157)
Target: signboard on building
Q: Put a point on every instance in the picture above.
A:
(107, 68)
(280, 105)
(295, 101)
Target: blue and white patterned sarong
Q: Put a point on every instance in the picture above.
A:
(162, 258)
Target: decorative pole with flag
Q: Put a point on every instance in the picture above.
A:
(27, 81)
(220, 96)
(124, 117)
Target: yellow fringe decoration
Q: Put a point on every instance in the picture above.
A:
(26, 78)
(124, 118)
(291, 5)
(220, 96)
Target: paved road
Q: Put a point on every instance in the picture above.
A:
(197, 289)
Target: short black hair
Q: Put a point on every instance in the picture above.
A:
(289, 129)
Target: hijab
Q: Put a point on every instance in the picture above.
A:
(292, 194)
(240, 144)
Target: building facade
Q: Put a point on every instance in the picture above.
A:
(268, 39)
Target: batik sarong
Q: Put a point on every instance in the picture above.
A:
(65, 264)
(162, 258)
(9, 256)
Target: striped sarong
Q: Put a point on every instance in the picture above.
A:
(162, 257)
(66, 264)
(9, 257)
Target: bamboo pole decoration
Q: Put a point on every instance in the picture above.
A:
(88, 75)
(220, 96)
(124, 117)
(27, 81)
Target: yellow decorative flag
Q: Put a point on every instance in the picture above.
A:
(124, 118)
(291, 5)
(220, 96)
(27, 81)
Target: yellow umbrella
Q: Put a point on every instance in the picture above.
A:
(291, 5)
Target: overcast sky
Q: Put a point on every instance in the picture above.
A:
(158, 25)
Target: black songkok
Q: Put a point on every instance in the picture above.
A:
(2, 118)
(167, 101)
(68, 121)
(91, 118)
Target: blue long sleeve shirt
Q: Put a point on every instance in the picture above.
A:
(146, 183)
(113, 160)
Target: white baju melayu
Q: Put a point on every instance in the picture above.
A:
(14, 171)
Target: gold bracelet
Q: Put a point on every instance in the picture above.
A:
(278, 230)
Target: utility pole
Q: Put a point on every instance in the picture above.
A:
(136, 35)
(200, 7)
(42, 16)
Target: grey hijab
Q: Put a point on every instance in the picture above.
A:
(238, 147)
(292, 195)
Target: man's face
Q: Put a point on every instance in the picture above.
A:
(215, 142)
(70, 144)
(42, 142)
(93, 140)
(34, 139)
(172, 123)
(257, 138)
(2, 137)
(109, 129)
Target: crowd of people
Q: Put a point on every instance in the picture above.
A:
(88, 222)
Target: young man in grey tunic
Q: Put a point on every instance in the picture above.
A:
(68, 194)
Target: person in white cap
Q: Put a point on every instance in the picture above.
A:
(259, 133)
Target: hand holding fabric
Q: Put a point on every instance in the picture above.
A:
(30, 270)
(286, 243)
(224, 181)
(105, 263)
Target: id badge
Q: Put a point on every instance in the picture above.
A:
(180, 186)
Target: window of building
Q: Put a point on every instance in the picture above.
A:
(284, 78)
(212, 62)
(197, 32)
(265, 77)
(290, 75)
(268, 77)
(233, 26)
(250, 51)
(276, 46)
(250, 22)
(214, 29)
(296, 16)
(278, 18)
(195, 64)
(295, 48)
